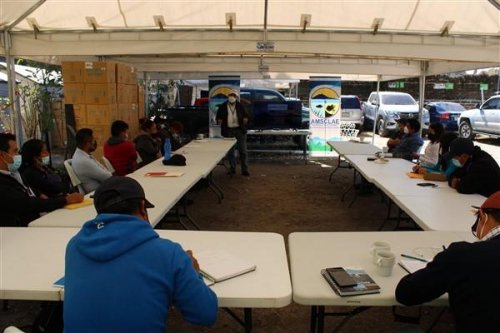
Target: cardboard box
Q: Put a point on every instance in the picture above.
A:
(126, 93)
(100, 93)
(80, 112)
(72, 71)
(98, 114)
(126, 74)
(74, 93)
(99, 72)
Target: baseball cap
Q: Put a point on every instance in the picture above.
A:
(461, 146)
(232, 93)
(117, 189)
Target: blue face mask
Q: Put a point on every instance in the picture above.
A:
(456, 163)
(46, 160)
(14, 166)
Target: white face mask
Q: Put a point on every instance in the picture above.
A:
(231, 99)
(406, 130)
(480, 233)
(46, 160)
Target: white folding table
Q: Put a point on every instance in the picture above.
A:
(33, 259)
(344, 148)
(310, 252)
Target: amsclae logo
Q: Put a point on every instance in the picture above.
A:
(325, 102)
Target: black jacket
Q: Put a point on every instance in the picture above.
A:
(147, 147)
(222, 116)
(469, 273)
(17, 208)
(46, 182)
(480, 174)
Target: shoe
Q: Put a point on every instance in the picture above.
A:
(245, 173)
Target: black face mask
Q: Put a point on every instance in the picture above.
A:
(473, 229)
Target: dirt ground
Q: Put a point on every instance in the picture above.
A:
(282, 195)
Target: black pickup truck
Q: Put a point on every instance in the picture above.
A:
(268, 109)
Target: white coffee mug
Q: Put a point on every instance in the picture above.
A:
(385, 150)
(199, 136)
(378, 246)
(385, 262)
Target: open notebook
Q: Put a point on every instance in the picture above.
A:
(411, 266)
(220, 265)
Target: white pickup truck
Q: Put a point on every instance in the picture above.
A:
(391, 106)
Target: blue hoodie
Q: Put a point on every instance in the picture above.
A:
(122, 277)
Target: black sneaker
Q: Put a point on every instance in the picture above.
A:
(245, 173)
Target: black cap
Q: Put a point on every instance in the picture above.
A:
(118, 189)
(461, 146)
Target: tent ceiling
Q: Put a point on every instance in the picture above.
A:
(339, 35)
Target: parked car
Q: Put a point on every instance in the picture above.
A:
(268, 109)
(350, 106)
(484, 119)
(391, 106)
(446, 113)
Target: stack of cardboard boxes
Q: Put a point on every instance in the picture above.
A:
(102, 92)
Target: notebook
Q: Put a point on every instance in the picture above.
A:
(365, 285)
(164, 174)
(411, 266)
(220, 265)
(85, 202)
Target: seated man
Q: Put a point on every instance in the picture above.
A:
(396, 137)
(410, 143)
(122, 277)
(477, 171)
(119, 150)
(468, 272)
(18, 203)
(88, 170)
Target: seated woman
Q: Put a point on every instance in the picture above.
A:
(36, 172)
(443, 166)
(146, 145)
(430, 156)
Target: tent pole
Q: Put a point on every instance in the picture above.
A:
(11, 86)
(265, 20)
(421, 97)
(376, 112)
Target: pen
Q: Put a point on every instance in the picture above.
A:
(416, 258)
(444, 247)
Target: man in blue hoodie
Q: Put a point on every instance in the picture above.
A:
(122, 277)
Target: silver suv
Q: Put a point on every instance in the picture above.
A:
(484, 119)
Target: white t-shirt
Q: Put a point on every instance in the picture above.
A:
(232, 116)
(430, 156)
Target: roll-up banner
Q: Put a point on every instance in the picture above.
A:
(220, 86)
(324, 116)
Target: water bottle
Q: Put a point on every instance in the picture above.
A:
(166, 149)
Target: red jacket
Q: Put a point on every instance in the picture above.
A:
(122, 155)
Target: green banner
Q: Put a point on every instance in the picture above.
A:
(483, 86)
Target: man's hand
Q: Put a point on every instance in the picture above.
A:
(74, 198)
(43, 197)
(454, 182)
(196, 266)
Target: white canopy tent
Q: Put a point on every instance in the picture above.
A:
(277, 39)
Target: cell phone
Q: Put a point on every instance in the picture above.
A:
(371, 158)
(341, 277)
(427, 184)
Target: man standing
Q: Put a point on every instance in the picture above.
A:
(89, 171)
(122, 277)
(18, 203)
(411, 141)
(233, 119)
(468, 272)
(477, 171)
